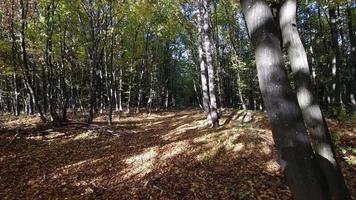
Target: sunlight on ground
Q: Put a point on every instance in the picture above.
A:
(144, 146)
(51, 136)
(174, 149)
(62, 172)
(89, 135)
(140, 165)
(173, 134)
(72, 169)
(22, 123)
(272, 166)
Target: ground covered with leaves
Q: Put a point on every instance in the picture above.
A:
(165, 155)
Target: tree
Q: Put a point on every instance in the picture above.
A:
(311, 111)
(295, 154)
(352, 70)
(206, 64)
(24, 59)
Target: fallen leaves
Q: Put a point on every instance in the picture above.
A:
(169, 155)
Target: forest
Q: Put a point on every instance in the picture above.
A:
(178, 99)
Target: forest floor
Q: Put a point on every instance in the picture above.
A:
(165, 155)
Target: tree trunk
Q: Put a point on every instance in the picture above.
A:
(235, 57)
(166, 98)
(197, 94)
(49, 62)
(93, 60)
(13, 54)
(311, 111)
(110, 80)
(92, 92)
(352, 69)
(151, 94)
(25, 67)
(239, 88)
(336, 60)
(119, 95)
(218, 60)
(131, 72)
(143, 66)
(209, 62)
(203, 73)
(153, 82)
(129, 90)
(65, 95)
(140, 89)
(295, 153)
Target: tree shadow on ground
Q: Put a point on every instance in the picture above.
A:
(170, 155)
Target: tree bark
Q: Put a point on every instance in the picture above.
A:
(131, 72)
(235, 59)
(336, 60)
(218, 61)
(295, 153)
(110, 80)
(311, 111)
(64, 86)
(119, 95)
(153, 82)
(49, 61)
(93, 60)
(209, 63)
(25, 67)
(352, 69)
(13, 54)
(143, 66)
(203, 71)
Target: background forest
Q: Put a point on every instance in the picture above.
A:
(86, 55)
(105, 62)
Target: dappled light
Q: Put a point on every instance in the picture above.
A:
(140, 165)
(86, 136)
(167, 99)
(171, 155)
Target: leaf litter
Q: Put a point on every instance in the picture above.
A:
(165, 155)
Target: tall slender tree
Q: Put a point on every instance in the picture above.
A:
(311, 110)
(24, 6)
(295, 154)
(206, 56)
(203, 71)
